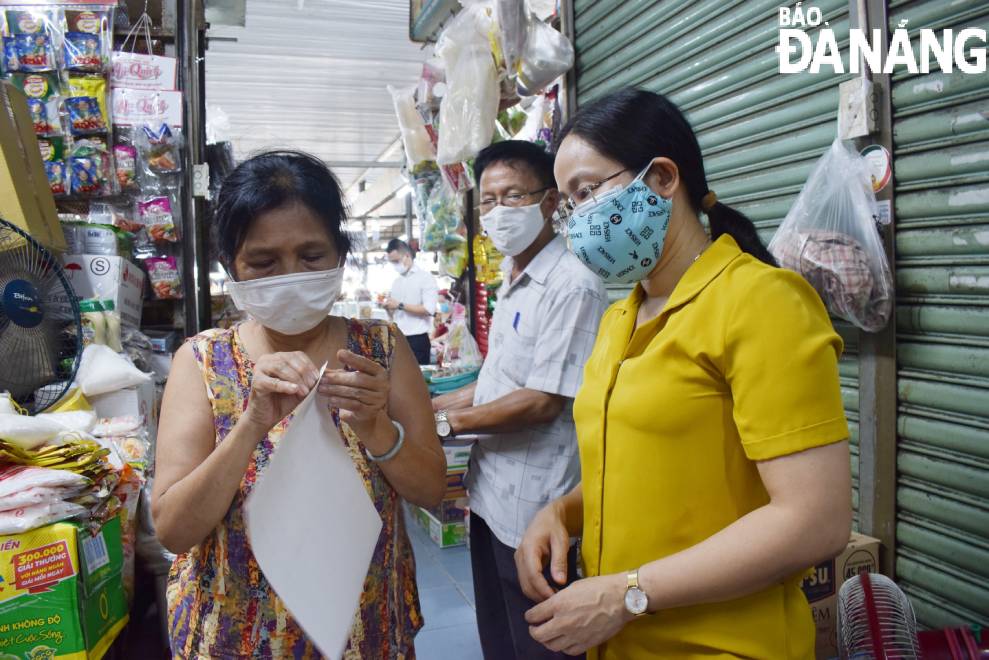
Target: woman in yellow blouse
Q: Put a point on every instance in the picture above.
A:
(713, 443)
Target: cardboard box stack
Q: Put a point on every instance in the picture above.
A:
(822, 585)
(445, 523)
(62, 592)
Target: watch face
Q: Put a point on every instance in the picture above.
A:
(636, 601)
(443, 428)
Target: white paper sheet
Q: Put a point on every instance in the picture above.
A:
(313, 527)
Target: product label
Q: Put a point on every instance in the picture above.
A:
(148, 72)
(36, 87)
(42, 567)
(95, 553)
(29, 24)
(135, 107)
(88, 22)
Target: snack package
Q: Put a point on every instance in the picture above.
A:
(84, 48)
(125, 158)
(166, 281)
(89, 174)
(57, 181)
(9, 62)
(85, 116)
(155, 214)
(159, 149)
(93, 87)
(30, 32)
(42, 91)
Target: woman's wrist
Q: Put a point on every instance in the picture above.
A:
(381, 435)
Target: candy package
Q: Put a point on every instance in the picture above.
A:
(166, 282)
(155, 214)
(42, 91)
(89, 174)
(8, 60)
(125, 158)
(57, 181)
(159, 147)
(30, 34)
(84, 47)
(93, 87)
(85, 116)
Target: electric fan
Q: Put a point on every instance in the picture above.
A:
(875, 620)
(40, 338)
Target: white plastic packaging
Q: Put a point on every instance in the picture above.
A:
(102, 371)
(470, 105)
(28, 432)
(24, 519)
(418, 147)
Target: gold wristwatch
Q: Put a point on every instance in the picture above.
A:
(636, 600)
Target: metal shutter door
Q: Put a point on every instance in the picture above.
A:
(941, 175)
(760, 132)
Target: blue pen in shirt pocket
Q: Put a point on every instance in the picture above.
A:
(515, 323)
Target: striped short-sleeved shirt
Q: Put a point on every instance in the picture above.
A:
(542, 333)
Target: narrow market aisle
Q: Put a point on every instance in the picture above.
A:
(446, 591)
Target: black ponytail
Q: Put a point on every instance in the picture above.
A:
(633, 126)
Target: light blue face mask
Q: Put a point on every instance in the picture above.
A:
(444, 308)
(619, 235)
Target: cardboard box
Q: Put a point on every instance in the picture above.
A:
(450, 510)
(25, 195)
(62, 594)
(445, 535)
(457, 455)
(108, 278)
(455, 483)
(822, 585)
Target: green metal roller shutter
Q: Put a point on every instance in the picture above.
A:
(760, 131)
(941, 178)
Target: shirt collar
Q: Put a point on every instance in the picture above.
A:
(541, 265)
(702, 272)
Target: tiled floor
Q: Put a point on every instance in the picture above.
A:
(446, 592)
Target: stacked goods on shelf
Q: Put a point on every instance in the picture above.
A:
(446, 522)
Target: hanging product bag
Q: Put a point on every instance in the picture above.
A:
(830, 237)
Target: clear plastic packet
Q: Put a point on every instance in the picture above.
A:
(830, 237)
(548, 55)
(159, 149)
(29, 44)
(86, 41)
(89, 169)
(43, 92)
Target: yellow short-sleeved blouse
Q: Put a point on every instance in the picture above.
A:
(741, 366)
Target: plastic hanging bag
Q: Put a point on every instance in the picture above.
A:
(513, 30)
(462, 353)
(830, 237)
(470, 105)
(548, 55)
(418, 147)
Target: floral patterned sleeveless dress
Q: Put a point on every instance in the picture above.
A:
(220, 604)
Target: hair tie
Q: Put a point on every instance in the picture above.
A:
(708, 201)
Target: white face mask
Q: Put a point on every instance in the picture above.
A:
(400, 267)
(289, 304)
(512, 229)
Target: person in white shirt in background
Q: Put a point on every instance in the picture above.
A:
(413, 299)
(544, 325)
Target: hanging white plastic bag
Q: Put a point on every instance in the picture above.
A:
(548, 55)
(418, 147)
(470, 105)
(513, 30)
(829, 236)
